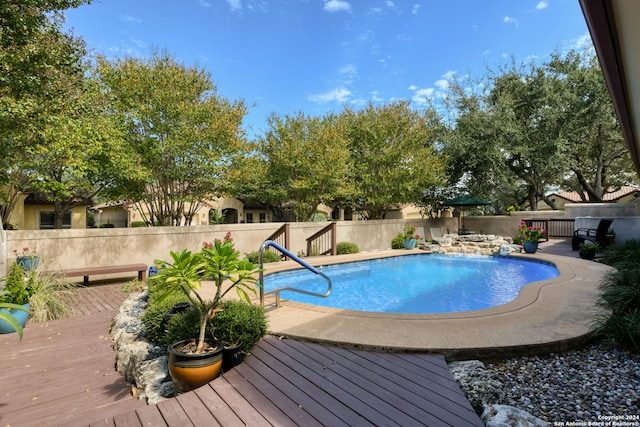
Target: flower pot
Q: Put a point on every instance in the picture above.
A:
(28, 263)
(189, 371)
(232, 356)
(20, 316)
(409, 243)
(587, 253)
(530, 247)
(176, 308)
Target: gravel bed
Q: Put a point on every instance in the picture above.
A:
(581, 385)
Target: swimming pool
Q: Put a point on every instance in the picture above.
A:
(416, 284)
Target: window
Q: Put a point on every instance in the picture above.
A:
(263, 217)
(46, 220)
(249, 217)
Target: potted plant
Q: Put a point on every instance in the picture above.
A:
(15, 300)
(409, 236)
(239, 327)
(27, 259)
(195, 362)
(529, 236)
(588, 250)
(10, 320)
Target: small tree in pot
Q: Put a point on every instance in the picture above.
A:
(219, 262)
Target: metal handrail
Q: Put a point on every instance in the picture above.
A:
(277, 291)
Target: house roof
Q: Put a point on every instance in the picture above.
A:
(623, 191)
(615, 30)
(41, 199)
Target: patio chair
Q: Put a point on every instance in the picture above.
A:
(436, 235)
(596, 235)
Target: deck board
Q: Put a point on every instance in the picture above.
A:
(62, 373)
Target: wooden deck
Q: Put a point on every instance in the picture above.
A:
(62, 373)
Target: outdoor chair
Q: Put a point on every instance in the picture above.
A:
(436, 235)
(596, 235)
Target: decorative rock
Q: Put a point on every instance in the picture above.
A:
(508, 416)
(481, 385)
(141, 363)
(470, 244)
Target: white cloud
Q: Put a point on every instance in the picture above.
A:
(415, 9)
(340, 95)
(337, 6)
(449, 75)
(375, 96)
(390, 4)
(510, 20)
(366, 36)
(442, 84)
(130, 19)
(421, 96)
(204, 3)
(542, 5)
(234, 4)
(348, 73)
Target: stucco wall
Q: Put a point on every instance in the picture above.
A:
(62, 249)
(75, 248)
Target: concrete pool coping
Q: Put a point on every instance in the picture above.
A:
(549, 315)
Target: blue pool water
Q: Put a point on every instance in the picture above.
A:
(416, 284)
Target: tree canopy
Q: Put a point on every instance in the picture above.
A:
(533, 128)
(393, 156)
(183, 135)
(307, 162)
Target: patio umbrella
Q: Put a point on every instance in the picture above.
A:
(462, 202)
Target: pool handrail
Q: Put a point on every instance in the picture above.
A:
(271, 243)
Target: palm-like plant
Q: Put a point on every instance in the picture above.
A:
(219, 262)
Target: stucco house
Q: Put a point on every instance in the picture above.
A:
(34, 212)
(625, 194)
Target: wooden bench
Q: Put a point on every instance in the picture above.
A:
(92, 271)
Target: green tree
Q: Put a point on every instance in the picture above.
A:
(76, 151)
(307, 162)
(54, 126)
(596, 153)
(526, 125)
(393, 156)
(475, 164)
(184, 136)
(536, 127)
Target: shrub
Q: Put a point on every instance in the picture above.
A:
(622, 256)
(52, 298)
(240, 321)
(398, 242)
(237, 321)
(183, 326)
(153, 317)
(620, 296)
(346, 248)
(17, 290)
(138, 224)
(267, 256)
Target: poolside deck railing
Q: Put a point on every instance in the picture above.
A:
(276, 292)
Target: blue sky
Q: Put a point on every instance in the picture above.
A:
(315, 56)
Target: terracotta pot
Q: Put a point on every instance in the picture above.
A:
(190, 371)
